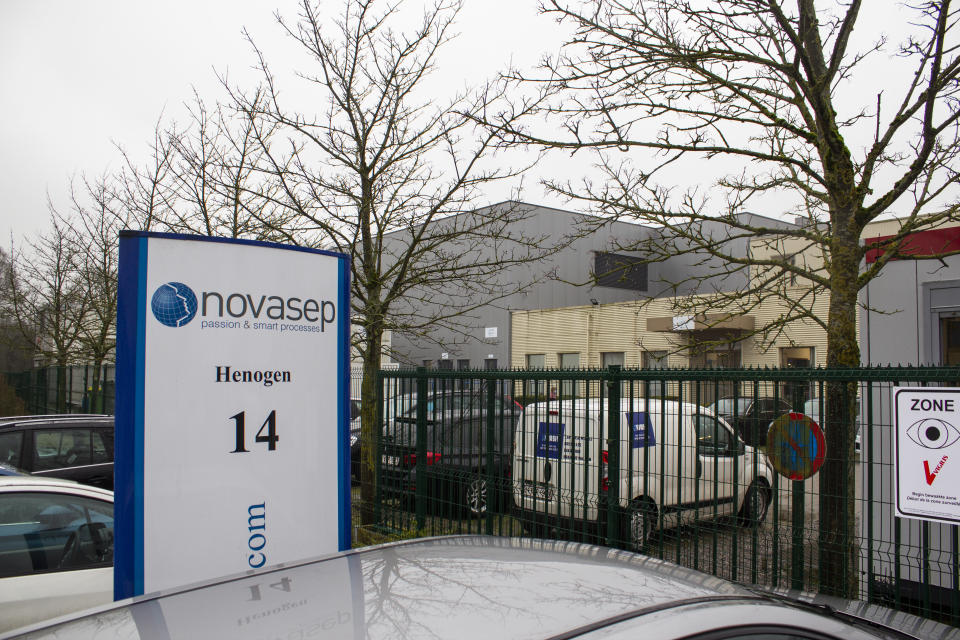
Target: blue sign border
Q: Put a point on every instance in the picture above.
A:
(129, 419)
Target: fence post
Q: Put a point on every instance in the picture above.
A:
(421, 464)
(380, 422)
(492, 488)
(613, 378)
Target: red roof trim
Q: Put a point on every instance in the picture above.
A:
(928, 243)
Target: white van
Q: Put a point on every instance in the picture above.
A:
(678, 463)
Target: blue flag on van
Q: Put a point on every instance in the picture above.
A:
(641, 430)
(550, 440)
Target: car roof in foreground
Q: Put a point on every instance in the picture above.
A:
(463, 587)
(455, 587)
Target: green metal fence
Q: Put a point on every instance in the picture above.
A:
(630, 458)
(70, 389)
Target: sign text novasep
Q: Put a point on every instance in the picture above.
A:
(238, 305)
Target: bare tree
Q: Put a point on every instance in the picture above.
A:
(16, 350)
(98, 217)
(388, 175)
(47, 300)
(755, 86)
(215, 184)
(144, 189)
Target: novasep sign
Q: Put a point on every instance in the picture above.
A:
(232, 408)
(174, 304)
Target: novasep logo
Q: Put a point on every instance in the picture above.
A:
(174, 304)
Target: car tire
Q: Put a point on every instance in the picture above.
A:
(640, 524)
(755, 504)
(476, 496)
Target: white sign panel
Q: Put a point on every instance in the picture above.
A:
(683, 323)
(232, 420)
(490, 332)
(928, 453)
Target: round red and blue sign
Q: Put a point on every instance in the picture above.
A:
(796, 446)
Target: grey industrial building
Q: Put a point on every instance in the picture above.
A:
(572, 276)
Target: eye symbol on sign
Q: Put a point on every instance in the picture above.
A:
(932, 433)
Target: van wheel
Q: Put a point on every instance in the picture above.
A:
(640, 524)
(475, 496)
(755, 504)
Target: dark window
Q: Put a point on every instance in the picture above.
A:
(463, 364)
(622, 272)
(445, 365)
(713, 439)
(10, 444)
(490, 363)
(102, 449)
(60, 448)
(42, 532)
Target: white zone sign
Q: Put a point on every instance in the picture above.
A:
(928, 453)
(232, 408)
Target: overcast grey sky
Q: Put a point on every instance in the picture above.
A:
(77, 76)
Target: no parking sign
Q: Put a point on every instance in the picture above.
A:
(796, 446)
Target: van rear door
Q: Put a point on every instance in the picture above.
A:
(556, 460)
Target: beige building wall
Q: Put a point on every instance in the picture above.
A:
(622, 327)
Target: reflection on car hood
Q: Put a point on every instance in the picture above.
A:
(460, 587)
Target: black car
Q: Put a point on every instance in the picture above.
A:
(751, 417)
(74, 447)
(465, 469)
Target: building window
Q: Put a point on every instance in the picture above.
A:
(620, 271)
(796, 357)
(445, 365)
(535, 387)
(655, 360)
(611, 359)
(428, 363)
(568, 361)
(463, 364)
(791, 276)
(490, 363)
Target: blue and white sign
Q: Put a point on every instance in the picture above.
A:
(232, 408)
(641, 430)
(550, 440)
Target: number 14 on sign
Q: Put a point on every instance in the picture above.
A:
(267, 432)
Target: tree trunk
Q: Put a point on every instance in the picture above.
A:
(370, 429)
(95, 403)
(838, 546)
(61, 385)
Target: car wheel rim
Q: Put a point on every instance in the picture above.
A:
(477, 496)
(757, 505)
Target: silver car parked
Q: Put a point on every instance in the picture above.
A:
(486, 588)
